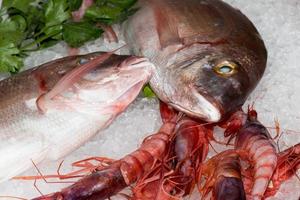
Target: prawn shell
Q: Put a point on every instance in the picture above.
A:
(229, 188)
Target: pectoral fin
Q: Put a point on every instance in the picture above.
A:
(70, 78)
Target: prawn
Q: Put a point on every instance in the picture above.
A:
(178, 175)
(191, 147)
(255, 145)
(288, 161)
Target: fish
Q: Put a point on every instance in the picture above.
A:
(28, 135)
(205, 58)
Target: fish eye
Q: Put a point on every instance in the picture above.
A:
(226, 68)
(83, 61)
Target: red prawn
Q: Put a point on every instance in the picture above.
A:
(191, 147)
(255, 145)
(177, 176)
(288, 161)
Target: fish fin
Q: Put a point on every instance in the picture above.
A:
(166, 27)
(109, 33)
(69, 79)
(188, 22)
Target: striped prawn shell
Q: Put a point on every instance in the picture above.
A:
(254, 142)
(224, 176)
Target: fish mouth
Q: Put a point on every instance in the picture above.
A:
(207, 108)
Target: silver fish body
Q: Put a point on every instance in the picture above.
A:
(75, 115)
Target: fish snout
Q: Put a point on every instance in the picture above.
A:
(199, 105)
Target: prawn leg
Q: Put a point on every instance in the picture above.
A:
(177, 178)
(288, 164)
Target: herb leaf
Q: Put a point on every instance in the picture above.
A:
(148, 92)
(22, 5)
(74, 4)
(11, 29)
(122, 4)
(10, 59)
(77, 33)
(103, 14)
(56, 12)
(110, 11)
(29, 25)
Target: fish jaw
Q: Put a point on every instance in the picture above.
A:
(206, 109)
(186, 97)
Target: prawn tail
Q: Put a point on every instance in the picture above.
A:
(166, 112)
(102, 183)
(229, 188)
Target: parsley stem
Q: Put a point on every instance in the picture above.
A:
(36, 42)
(43, 30)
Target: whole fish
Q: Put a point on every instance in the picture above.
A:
(207, 58)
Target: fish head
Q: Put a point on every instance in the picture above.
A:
(210, 82)
(87, 84)
(208, 55)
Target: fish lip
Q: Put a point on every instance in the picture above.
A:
(208, 117)
(210, 110)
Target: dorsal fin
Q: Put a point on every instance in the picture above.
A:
(166, 25)
(188, 21)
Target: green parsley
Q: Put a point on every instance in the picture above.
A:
(148, 92)
(30, 25)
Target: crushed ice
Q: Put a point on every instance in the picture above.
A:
(276, 97)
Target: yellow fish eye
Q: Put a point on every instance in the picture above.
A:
(226, 68)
